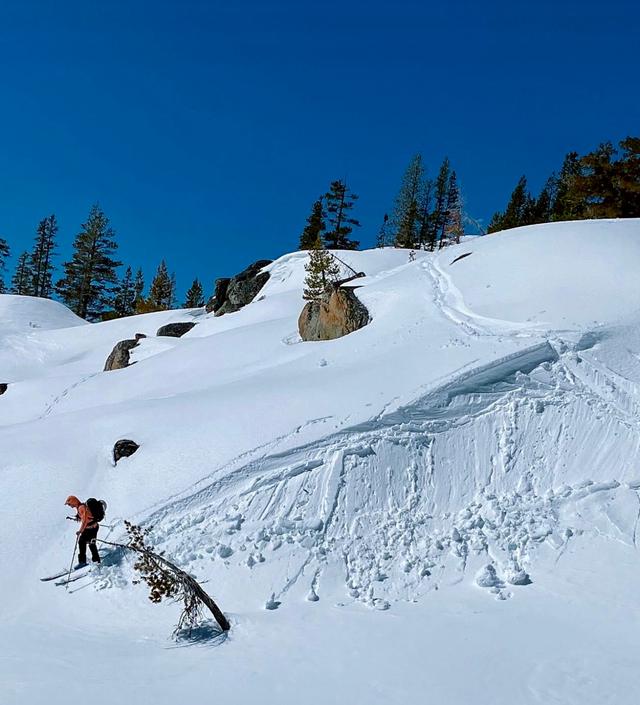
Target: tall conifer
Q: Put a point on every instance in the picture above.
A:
(4, 254)
(22, 281)
(41, 257)
(195, 295)
(315, 226)
(340, 201)
(90, 275)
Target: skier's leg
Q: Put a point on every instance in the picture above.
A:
(95, 556)
(82, 547)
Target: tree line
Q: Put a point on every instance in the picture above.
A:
(428, 214)
(604, 183)
(90, 285)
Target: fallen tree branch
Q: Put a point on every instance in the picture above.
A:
(167, 580)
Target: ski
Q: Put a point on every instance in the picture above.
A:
(66, 581)
(62, 573)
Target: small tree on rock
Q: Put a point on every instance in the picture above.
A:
(322, 269)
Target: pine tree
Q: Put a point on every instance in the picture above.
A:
(321, 270)
(195, 295)
(595, 184)
(424, 219)
(518, 211)
(542, 207)
(567, 204)
(4, 254)
(340, 200)
(22, 281)
(383, 234)
(161, 291)
(90, 275)
(438, 216)
(44, 246)
(124, 303)
(628, 178)
(453, 229)
(406, 214)
(315, 226)
(138, 286)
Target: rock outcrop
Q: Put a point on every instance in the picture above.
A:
(175, 330)
(3, 388)
(124, 448)
(231, 294)
(340, 313)
(119, 356)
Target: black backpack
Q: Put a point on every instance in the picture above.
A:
(97, 507)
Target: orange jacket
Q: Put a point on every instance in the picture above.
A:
(83, 515)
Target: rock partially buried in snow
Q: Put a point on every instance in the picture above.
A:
(120, 355)
(3, 388)
(124, 448)
(340, 314)
(234, 293)
(175, 330)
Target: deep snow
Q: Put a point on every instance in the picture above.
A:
(442, 506)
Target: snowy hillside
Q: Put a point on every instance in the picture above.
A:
(443, 503)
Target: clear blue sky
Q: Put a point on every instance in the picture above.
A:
(207, 129)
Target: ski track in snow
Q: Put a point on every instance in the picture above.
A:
(374, 501)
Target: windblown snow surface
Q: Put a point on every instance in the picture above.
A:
(439, 508)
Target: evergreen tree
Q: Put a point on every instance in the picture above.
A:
(406, 214)
(567, 204)
(4, 254)
(453, 229)
(138, 286)
(518, 211)
(195, 295)
(438, 216)
(22, 281)
(595, 184)
(628, 178)
(542, 207)
(383, 234)
(124, 303)
(315, 226)
(340, 200)
(41, 257)
(90, 275)
(161, 291)
(321, 270)
(424, 219)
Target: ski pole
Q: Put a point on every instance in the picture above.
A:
(73, 557)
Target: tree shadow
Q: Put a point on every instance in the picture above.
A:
(206, 633)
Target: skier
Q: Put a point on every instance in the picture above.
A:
(86, 533)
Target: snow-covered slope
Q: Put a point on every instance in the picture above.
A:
(478, 440)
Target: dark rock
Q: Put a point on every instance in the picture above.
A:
(219, 294)
(340, 313)
(175, 330)
(119, 356)
(139, 336)
(3, 388)
(232, 294)
(123, 449)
